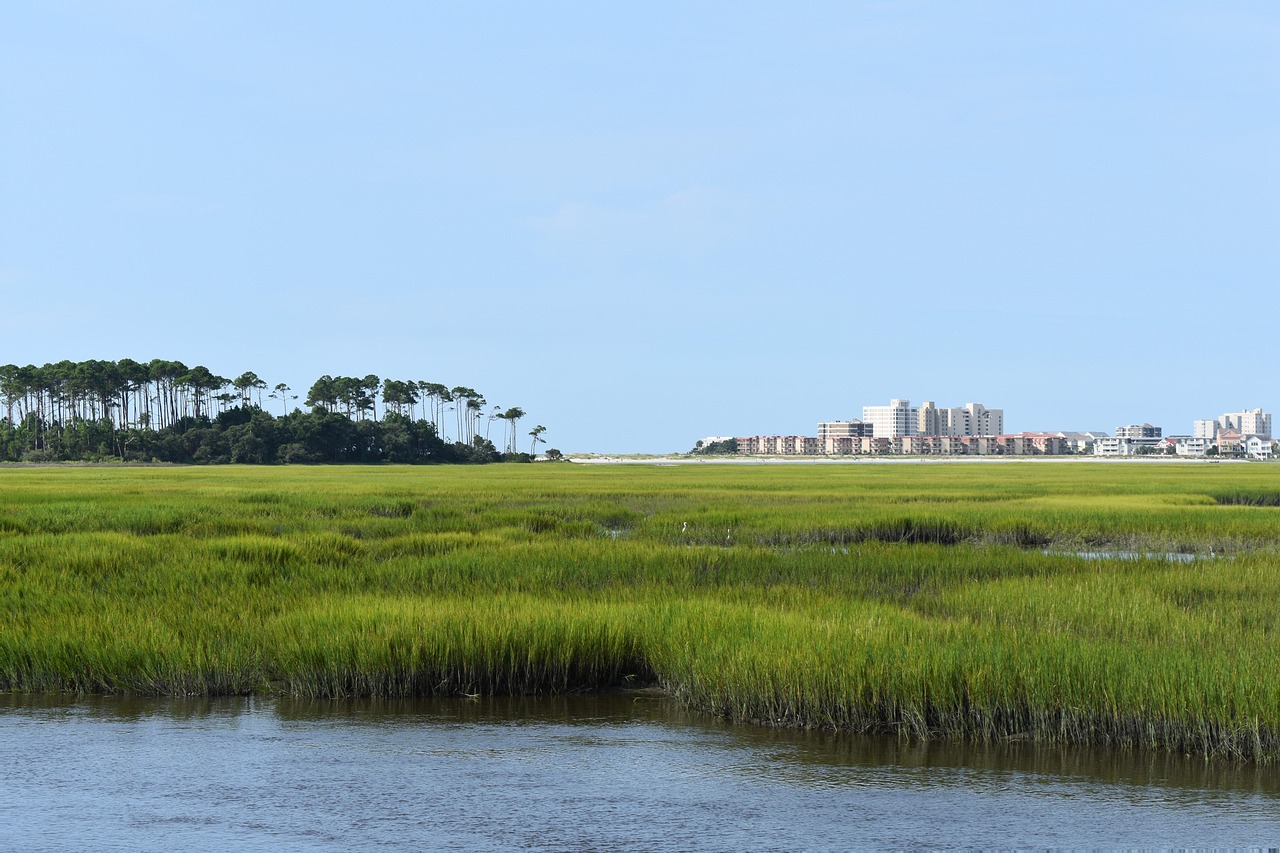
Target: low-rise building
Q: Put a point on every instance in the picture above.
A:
(1192, 445)
(1036, 444)
(981, 445)
(1230, 443)
(778, 445)
(1121, 446)
(1257, 447)
(1080, 442)
(844, 429)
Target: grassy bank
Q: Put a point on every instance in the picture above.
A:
(943, 601)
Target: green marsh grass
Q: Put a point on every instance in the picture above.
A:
(932, 601)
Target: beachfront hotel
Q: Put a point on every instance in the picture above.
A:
(900, 418)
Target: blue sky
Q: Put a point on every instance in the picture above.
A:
(645, 225)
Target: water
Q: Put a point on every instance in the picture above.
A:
(603, 773)
(1167, 556)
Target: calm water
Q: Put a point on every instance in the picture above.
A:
(588, 773)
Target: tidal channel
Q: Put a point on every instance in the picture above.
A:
(608, 772)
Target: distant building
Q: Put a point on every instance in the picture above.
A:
(778, 445)
(1257, 447)
(975, 419)
(836, 438)
(897, 418)
(1138, 431)
(1229, 443)
(900, 418)
(843, 429)
(1081, 442)
(1232, 444)
(1119, 445)
(1035, 444)
(1256, 423)
(1204, 428)
(1193, 445)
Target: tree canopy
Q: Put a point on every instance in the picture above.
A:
(169, 412)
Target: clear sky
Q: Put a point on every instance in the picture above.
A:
(648, 223)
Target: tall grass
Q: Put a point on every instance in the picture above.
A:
(918, 600)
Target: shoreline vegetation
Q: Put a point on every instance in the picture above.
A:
(163, 411)
(959, 602)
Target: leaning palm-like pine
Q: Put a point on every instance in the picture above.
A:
(496, 414)
(281, 393)
(511, 416)
(245, 384)
(536, 432)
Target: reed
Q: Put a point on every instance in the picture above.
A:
(935, 602)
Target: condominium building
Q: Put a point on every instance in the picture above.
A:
(969, 419)
(933, 421)
(897, 418)
(1204, 428)
(977, 419)
(1081, 442)
(778, 445)
(843, 429)
(1194, 445)
(1120, 445)
(900, 418)
(1256, 422)
(1138, 431)
(1022, 444)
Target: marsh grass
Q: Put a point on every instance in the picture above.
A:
(1249, 498)
(911, 600)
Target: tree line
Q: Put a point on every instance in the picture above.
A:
(166, 411)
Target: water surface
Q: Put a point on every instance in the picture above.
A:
(618, 772)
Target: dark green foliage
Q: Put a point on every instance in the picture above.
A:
(1241, 498)
(717, 448)
(164, 411)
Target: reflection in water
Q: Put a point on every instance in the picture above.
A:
(809, 751)
(605, 772)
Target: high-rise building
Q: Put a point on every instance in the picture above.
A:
(1256, 423)
(1204, 428)
(933, 421)
(977, 419)
(897, 418)
(970, 419)
(900, 418)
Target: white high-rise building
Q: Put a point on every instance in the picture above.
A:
(969, 419)
(1256, 423)
(897, 418)
(1204, 428)
(977, 419)
(900, 418)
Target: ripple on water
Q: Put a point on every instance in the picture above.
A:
(594, 772)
